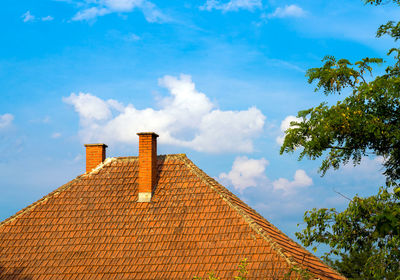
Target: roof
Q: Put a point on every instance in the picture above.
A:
(94, 228)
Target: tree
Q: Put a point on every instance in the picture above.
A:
(366, 236)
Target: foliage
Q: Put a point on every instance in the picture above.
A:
(295, 272)
(242, 272)
(379, 2)
(211, 276)
(352, 265)
(366, 236)
(366, 122)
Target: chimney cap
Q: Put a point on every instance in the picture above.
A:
(147, 133)
(96, 144)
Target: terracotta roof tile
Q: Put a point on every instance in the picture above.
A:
(94, 228)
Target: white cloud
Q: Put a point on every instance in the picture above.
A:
(232, 5)
(152, 13)
(56, 135)
(131, 37)
(249, 178)
(90, 13)
(288, 11)
(186, 118)
(47, 18)
(89, 107)
(369, 169)
(6, 120)
(44, 120)
(245, 173)
(301, 180)
(98, 8)
(77, 158)
(366, 165)
(27, 17)
(285, 124)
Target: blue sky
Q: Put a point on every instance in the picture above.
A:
(217, 80)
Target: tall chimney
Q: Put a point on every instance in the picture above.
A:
(147, 165)
(95, 154)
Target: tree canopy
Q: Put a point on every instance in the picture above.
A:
(366, 236)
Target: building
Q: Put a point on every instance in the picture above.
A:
(146, 217)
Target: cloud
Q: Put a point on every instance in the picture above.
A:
(56, 135)
(232, 5)
(186, 118)
(47, 18)
(94, 9)
(89, 107)
(27, 17)
(278, 199)
(288, 11)
(131, 37)
(245, 173)
(6, 120)
(120, 36)
(301, 180)
(44, 120)
(285, 124)
(90, 13)
(11, 142)
(370, 169)
(367, 165)
(77, 158)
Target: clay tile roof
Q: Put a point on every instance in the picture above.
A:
(94, 228)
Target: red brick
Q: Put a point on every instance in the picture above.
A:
(95, 154)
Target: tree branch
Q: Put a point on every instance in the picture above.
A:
(349, 199)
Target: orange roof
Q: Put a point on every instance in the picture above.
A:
(94, 228)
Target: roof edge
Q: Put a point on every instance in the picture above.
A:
(96, 170)
(100, 166)
(56, 191)
(214, 185)
(41, 200)
(211, 182)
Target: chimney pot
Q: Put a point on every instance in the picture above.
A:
(95, 154)
(147, 165)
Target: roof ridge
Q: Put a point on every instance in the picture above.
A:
(56, 191)
(223, 191)
(158, 156)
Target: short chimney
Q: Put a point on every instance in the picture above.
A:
(95, 154)
(147, 165)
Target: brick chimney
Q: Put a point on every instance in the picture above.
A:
(147, 165)
(95, 154)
